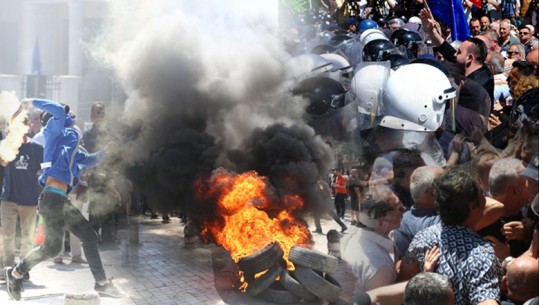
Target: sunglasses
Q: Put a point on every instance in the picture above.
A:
(523, 33)
(512, 53)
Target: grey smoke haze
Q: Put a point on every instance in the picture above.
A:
(200, 80)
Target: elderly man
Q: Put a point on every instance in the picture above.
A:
(510, 234)
(506, 39)
(521, 281)
(423, 214)
(516, 51)
(369, 251)
(429, 288)
(472, 266)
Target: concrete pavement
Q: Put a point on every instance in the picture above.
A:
(160, 270)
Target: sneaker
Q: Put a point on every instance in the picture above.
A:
(78, 259)
(353, 222)
(109, 290)
(344, 229)
(318, 231)
(13, 285)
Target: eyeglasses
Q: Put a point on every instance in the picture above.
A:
(512, 53)
(523, 33)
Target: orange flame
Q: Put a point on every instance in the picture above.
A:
(244, 227)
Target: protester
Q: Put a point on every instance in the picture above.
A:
(525, 35)
(355, 189)
(326, 209)
(369, 251)
(506, 37)
(18, 200)
(423, 213)
(470, 57)
(509, 234)
(340, 193)
(404, 164)
(472, 267)
(475, 27)
(102, 211)
(429, 288)
(62, 164)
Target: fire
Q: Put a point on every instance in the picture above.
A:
(15, 115)
(243, 226)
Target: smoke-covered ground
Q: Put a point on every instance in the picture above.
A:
(205, 86)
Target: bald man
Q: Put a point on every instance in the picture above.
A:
(521, 280)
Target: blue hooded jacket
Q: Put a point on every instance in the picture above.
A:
(62, 157)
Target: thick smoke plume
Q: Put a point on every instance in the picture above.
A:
(205, 90)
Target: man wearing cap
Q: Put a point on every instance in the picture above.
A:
(525, 35)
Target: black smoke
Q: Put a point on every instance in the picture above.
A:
(207, 95)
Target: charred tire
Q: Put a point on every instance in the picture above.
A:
(291, 284)
(278, 295)
(261, 260)
(313, 259)
(324, 287)
(260, 284)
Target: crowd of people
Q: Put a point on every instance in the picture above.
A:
(51, 150)
(450, 131)
(445, 199)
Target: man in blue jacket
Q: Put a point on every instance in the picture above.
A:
(62, 164)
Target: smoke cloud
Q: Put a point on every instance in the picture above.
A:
(205, 90)
(15, 116)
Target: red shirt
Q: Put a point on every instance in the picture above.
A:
(340, 184)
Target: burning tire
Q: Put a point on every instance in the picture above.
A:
(262, 260)
(277, 294)
(313, 259)
(291, 284)
(324, 287)
(260, 284)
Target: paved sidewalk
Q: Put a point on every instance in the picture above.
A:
(158, 271)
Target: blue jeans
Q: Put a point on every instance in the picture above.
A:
(60, 215)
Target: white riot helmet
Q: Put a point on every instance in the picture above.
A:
(415, 98)
(366, 92)
(307, 65)
(370, 35)
(341, 68)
